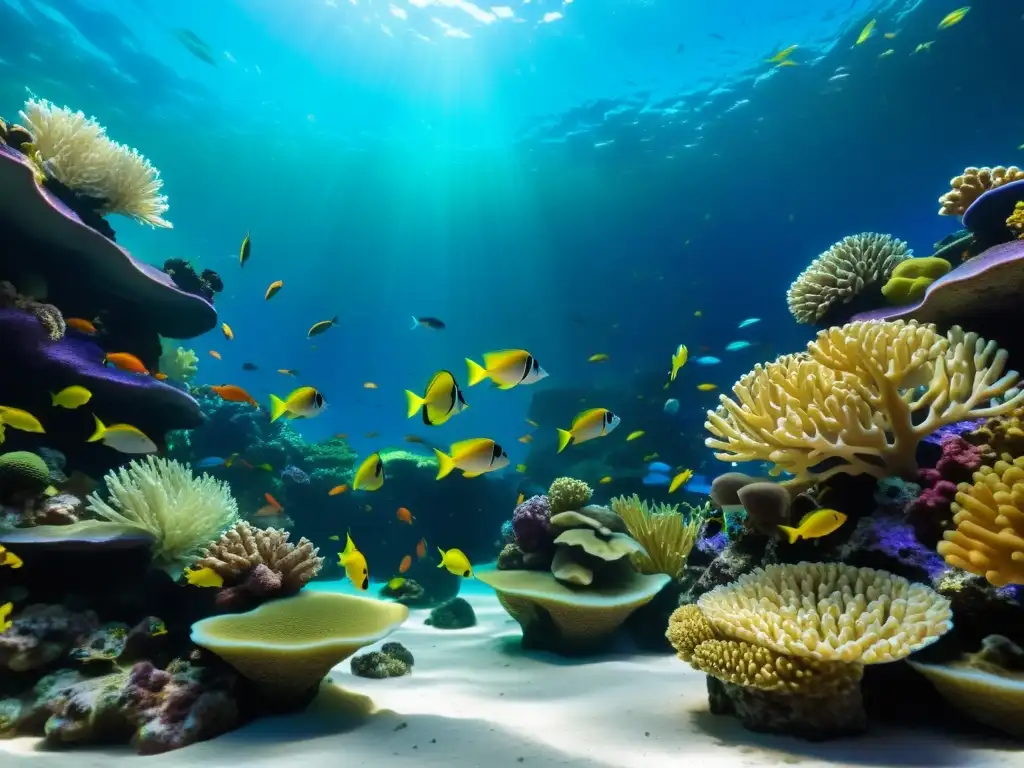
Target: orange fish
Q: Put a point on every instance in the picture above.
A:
(275, 286)
(228, 333)
(82, 326)
(268, 511)
(405, 565)
(405, 515)
(125, 361)
(234, 394)
(272, 501)
(421, 548)
(337, 490)
(215, 354)
(160, 376)
(526, 439)
(369, 385)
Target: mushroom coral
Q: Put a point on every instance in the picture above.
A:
(860, 400)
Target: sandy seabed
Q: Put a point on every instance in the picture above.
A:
(476, 699)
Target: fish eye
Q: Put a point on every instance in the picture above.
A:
(465, 574)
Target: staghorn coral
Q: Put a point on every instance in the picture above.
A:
(76, 151)
(971, 184)
(989, 518)
(567, 493)
(860, 400)
(1015, 221)
(177, 363)
(666, 535)
(47, 314)
(182, 512)
(843, 272)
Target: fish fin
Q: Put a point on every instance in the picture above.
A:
(100, 431)
(415, 324)
(278, 407)
(53, 400)
(791, 533)
(445, 464)
(477, 372)
(441, 564)
(564, 438)
(507, 386)
(414, 401)
(472, 474)
(335, 320)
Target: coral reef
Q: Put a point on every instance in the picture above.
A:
(912, 277)
(457, 613)
(530, 524)
(1000, 434)
(392, 660)
(971, 184)
(42, 634)
(23, 474)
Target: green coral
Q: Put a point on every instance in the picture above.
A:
(22, 473)
(392, 660)
(568, 493)
(177, 363)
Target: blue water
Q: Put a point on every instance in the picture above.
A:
(570, 178)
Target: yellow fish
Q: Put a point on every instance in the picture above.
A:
(396, 582)
(954, 17)
(787, 63)
(474, 457)
(532, 423)
(605, 480)
(19, 419)
(272, 289)
(600, 357)
(680, 480)
(228, 333)
(324, 325)
(888, 52)
(245, 251)
(890, 35)
(698, 313)
(596, 422)
(520, 498)
(707, 387)
(679, 358)
(8, 558)
(304, 402)
(334, 538)
(370, 475)
(5, 612)
(441, 400)
(634, 435)
(651, 456)
(71, 397)
(456, 562)
(204, 577)
(814, 525)
(923, 47)
(354, 563)
(507, 368)
(866, 32)
(782, 55)
(122, 437)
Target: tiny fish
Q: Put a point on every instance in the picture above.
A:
(421, 548)
(396, 583)
(85, 327)
(866, 32)
(736, 346)
(160, 376)
(215, 354)
(272, 501)
(334, 538)
(707, 387)
(680, 480)
(840, 76)
(954, 17)
(532, 423)
(250, 367)
(455, 562)
(651, 456)
(268, 510)
(272, 289)
(783, 54)
(245, 251)
(234, 394)
(708, 360)
(405, 565)
(228, 333)
(414, 439)
(520, 468)
(890, 35)
(520, 498)
(405, 515)
(814, 525)
(527, 439)
(635, 434)
(287, 372)
(698, 313)
(605, 480)
(372, 434)
(209, 462)
(600, 357)
(125, 361)
(265, 467)
(71, 397)
(923, 47)
(369, 385)
(885, 53)
(203, 577)
(427, 322)
(679, 358)
(338, 490)
(324, 325)
(749, 322)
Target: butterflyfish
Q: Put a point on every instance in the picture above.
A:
(370, 475)
(354, 563)
(122, 437)
(456, 562)
(474, 457)
(506, 368)
(441, 400)
(596, 422)
(306, 402)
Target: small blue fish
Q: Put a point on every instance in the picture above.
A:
(749, 321)
(671, 406)
(659, 466)
(736, 346)
(656, 479)
(699, 484)
(707, 360)
(209, 462)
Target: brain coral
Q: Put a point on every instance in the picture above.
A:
(844, 271)
(971, 184)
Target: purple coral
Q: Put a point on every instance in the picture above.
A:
(896, 539)
(530, 523)
(930, 511)
(295, 475)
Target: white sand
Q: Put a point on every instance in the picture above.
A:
(476, 699)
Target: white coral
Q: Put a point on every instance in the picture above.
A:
(183, 512)
(75, 150)
(177, 363)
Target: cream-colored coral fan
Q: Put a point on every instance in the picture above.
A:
(989, 518)
(971, 184)
(665, 533)
(243, 547)
(177, 363)
(860, 400)
(829, 612)
(76, 150)
(183, 512)
(845, 270)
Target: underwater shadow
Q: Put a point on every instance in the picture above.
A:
(511, 647)
(335, 710)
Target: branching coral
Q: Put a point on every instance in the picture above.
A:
(76, 151)
(177, 363)
(183, 512)
(568, 493)
(989, 518)
(860, 400)
(971, 184)
(666, 535)
(843, 272)
(238, 551)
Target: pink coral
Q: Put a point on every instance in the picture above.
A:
(930, 512)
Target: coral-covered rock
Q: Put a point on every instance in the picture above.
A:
(930, 513)
(62, 509)
(41, 634)
(392, 660)
(530, 523)
(455, 614)
(889, 543)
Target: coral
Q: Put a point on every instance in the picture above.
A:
(62, 509)
(409, 592)
(767, 505)
(510, 558)
(184, 276)
(285, 647)
(530, 524)
(1015, 221)
(666, 535)
(41, 634)
(1000, 434)
(589, 545)
(457, 613)
(860, 400)
(177, 363)
(76, 151)
(930, 511)
(911, 277)
(843, 272)
(896, 541)
(182, 512)
(989, 518)
(971, 184)
(48, 315)
(295, 475)
(22, 474)
(392, 660)
(568, 493)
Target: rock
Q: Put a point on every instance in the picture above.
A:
(455, 614)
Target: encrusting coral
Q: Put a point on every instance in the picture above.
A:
(666, 535)
(568, 493)
(847, 269)
(989, 518)
(971, 184)
(911, 278)
(22, 473)
(182, 512)
(47, 314)
(76, 151)
(860, 400)
(1000, 434)
(40, 634)
(1015, 221)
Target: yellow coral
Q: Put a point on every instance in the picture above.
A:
(842, 272)
(860, 400)
(912, 277)
(971, 184)
(76, 150)
(687, 628)
(568, 493)
(1001, 434)
(177, 363)
(1015, 221)
(666, 534)
(989, 517)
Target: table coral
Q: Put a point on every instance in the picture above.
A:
(860, 400)
(971, 184)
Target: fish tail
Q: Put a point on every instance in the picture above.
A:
(278, 407)
(477, 372)
(564, 438)
(101, 430)
(441, 564)
(53, 399)
(791, 533)
(445, 464)
(415, 324)
(334, 320)
(415, 402)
